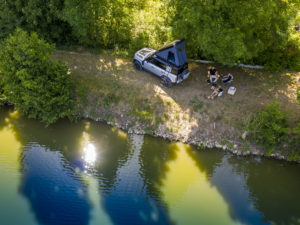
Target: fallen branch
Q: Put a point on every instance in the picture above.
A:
(236, 64)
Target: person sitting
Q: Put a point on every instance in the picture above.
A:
(217, 91)
(212, 71)
(227, 79)
(212, 76)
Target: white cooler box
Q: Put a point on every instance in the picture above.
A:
(231, 90)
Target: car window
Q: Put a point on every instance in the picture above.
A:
(157, 63)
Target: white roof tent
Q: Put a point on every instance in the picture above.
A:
(173, 54)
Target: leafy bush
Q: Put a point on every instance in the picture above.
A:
(237, 31)
(278, 59)
(37, 86)
(294, 144)
(138, 43)
(269, 127)
(35, 15)
(298, 95)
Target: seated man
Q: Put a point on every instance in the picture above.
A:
(212, 71)
(212, 76)
(227, 79)
(217, 91)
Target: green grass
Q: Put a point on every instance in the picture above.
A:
(230, 146)
(223, 142)
(109, 99)
(166, 116)
(196, 104)
(294, 157)
(246, 148)
(219, 117)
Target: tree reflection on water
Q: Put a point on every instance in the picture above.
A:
(90, 173)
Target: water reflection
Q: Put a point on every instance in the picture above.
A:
(11, 203)
(89, 154)
(233, 187)
(128, 202)
(89, 173)
(189, 194)
(55, 192)
(273, 189)
(97, 215)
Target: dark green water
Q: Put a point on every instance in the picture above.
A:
(90, 173)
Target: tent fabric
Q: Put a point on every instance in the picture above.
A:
(173, 53)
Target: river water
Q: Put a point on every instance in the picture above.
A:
(90, 173)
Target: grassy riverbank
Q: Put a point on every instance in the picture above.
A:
(108, 88)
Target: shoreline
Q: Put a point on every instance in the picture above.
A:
(210, 144)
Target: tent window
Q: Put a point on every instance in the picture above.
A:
(171, 57)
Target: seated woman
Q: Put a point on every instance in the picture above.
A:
(227, 79)
(217, 91)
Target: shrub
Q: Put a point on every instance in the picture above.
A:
(294, 143)
(37, 86)
(298, 95)
(269, 126)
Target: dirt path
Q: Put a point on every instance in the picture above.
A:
(182, 112)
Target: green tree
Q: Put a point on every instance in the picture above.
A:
(234, 31)
(269, 127)
(37, 86)
(151, 26)
(9, 20)
(41, 16)
(104, 23)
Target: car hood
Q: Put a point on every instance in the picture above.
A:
(144, 53)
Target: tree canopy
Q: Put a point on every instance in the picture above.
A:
(36, 85)
(260, 32)
(233, 31)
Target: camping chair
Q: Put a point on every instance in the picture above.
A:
(226, 80)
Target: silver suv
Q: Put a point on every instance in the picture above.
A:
(169, 62)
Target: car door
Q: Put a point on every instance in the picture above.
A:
(154, 67)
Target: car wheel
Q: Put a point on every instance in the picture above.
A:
(137, 65)
(165, 81)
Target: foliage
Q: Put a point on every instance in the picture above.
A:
(3, 98)
(41, 16)
(297, 130)
(298, 95)
(37, 86)
(142, 111)
(9, 20)
(277, 58)
(104, 23)
(269, 127)
(294, 143)
(255, 32)
(150, 25)
(234, 31)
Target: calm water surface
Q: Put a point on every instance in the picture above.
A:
(89, 173)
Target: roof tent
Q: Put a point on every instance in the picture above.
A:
(173, 54)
